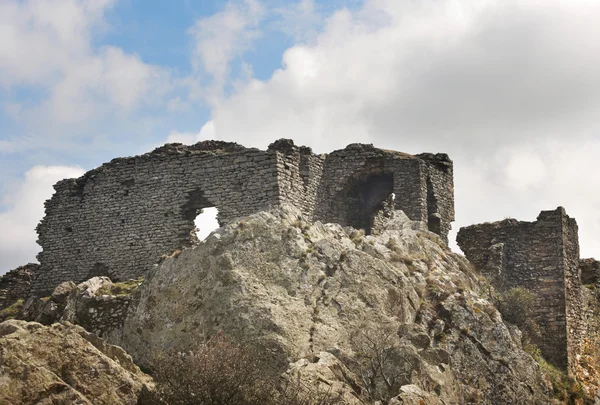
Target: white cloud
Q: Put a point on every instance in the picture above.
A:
(300, 20)
(47, 47)
(222, 37)
(524, 169)
(496, 84)
(188, 138)
(25, 209)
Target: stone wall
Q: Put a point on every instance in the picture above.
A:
(16, 284)
(590, 271)
(357, 179)
(440, 193)
(118, 219)
(542, 256)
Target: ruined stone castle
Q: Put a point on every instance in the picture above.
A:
(118, 220)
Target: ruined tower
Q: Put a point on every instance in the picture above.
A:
(542, 256)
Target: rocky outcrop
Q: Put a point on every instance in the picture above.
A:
(97, 304)
(326, 300)
(64, 364)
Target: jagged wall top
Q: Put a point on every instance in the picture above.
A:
(119, 218)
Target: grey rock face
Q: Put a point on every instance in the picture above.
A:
(83, 305)
(64, 364)
(318, 296)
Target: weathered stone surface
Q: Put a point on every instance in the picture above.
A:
(119, 219)
(542, 256)
(63, 364)
(83, 305)
(590, 270)
(324, 373)
(413, 395)
(16, 284)
(301, 290)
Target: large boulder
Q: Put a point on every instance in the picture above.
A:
(64, 364)
(98, 305)
(300, 290)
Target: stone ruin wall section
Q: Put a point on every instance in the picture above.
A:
(354, 164)
(531, 255)
(143, 207)
(119, 219)
(299, 173)
(16, 284)
(440, 193)
(423, 185)
(582, 304)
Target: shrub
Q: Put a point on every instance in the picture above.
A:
(122, 288)
(357, 236)
(516, 305)
(380, 363)
(223, 372)
(219, 372)
(399, 257)
(564, 387)
(12, 311)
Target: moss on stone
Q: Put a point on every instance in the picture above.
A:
(122, 288)
(11, 311)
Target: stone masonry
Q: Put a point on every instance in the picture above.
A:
(542, 256)
(16, 284)
(119, 219)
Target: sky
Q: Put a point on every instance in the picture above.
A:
(510, 89)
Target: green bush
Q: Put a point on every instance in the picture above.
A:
(516, 305)
(12, 311)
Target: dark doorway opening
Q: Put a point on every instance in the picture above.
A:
(366, 197)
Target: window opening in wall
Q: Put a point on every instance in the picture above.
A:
(206, 222)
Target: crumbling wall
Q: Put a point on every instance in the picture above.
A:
(589, 269)
(299, 173)
(117, 220)
(542, 256)
(440, 193)
(588, 313)
(357, 179)
(347, 172)
(87, 304)
(16, 284)
(536, 255)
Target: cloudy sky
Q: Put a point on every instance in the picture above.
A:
(510, 89)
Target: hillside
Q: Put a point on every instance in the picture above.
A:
(309, 292)
(393, 317)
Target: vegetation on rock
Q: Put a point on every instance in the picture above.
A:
(223, 372)
(12, 311)
(127, 287)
